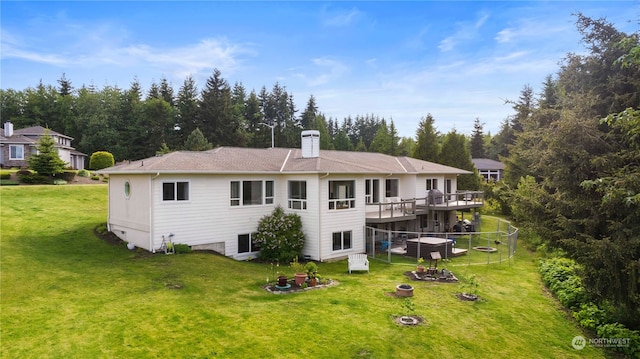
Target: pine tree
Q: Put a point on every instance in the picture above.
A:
(427, 147)
(197, 142)
(477, 140)
(47, 162)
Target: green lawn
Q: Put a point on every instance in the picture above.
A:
(67, 294)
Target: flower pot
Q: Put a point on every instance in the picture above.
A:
(404, 290)
(420, 269)
(282, 280)
(300, 278)
(313, 282)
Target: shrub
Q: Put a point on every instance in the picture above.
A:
(59, 182)
(5, 176)
(182, 248)
(560, 276)
(24, 172)
(68, 176)
(84, 173)
(100, 160)
(631, 338)
(590, 316)
(33, 178)
(95, 178)
(280, 236)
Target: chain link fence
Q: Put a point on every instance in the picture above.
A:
(467, 247)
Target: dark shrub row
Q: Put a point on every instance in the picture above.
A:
(560, 275)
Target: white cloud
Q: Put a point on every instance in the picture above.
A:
(466, 31)
(322, 71)
(340, 18)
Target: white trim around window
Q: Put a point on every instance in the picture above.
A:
(342, 240)
(251, 193)
(16, 152)
(176, 191)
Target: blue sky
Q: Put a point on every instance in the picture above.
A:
(399, 60)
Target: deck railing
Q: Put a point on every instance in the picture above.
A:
(407, 207)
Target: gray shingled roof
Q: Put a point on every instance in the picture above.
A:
(487, 164)
(276, 160)
(37, 131)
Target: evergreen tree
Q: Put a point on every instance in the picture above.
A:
(216, 116)
(427, 147)
(65, 88)
(46, 161)
(455, 153)
(166, 91)
(186, 119)
(382, 142)
(477, 140)
(309, 114)
(197, 142)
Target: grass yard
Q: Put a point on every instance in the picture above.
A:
(67, 294)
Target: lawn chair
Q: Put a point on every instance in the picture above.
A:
(358, 262)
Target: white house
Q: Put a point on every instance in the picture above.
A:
(214, 199)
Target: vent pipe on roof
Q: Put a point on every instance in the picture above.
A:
(310, 143)
(8, 129)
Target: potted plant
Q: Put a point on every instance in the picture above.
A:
(420, 266)
(312, 271)
(300, 272)
(282, 280)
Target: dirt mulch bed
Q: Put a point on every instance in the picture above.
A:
(294, 288)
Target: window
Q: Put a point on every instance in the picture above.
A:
(16, 152)
(372, 191)
(127, 189)
(175, 191)
(250, 193)
(247, 244)
(268, 196)
(341, 240)
(447, 184)
(391, 188)
(298, 194)
(432, 183)
(342, 194)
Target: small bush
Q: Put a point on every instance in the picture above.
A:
(84, 173)
(4, 182)
(24, 172)
(590, 316)
(32, 178)
(95, 178)
(5, 176)
(68, 176)
(182, 248)
(59, 182)
(631, 338)
(100, 160)
(280, 236)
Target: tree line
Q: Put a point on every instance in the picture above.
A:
(572, 166)
(134, 125)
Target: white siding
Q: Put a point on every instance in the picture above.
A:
(310, 216)
(207, 217)
(331, 221)
(129, 217)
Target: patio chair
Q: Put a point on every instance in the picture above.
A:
(358, 262)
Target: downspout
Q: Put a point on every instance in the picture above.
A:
(152, 202)
(108, 207)
(320, 216)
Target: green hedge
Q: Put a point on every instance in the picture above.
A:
(560, 275)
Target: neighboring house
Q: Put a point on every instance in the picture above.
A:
(489, 169)
(214, 199)
(16, 146)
